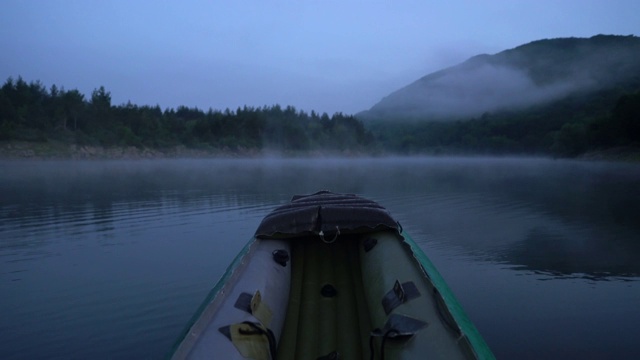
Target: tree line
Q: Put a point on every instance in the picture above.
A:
(31, 112)
(565, 128)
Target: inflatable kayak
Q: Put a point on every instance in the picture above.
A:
(330, 276)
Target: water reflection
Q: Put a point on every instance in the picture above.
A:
(592, 255)
(555, 217)
(135, 245)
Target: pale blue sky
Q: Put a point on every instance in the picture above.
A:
(327, 56)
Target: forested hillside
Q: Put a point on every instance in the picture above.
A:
(532, 74)
(560, 97)
(31, 112)
(566, 128)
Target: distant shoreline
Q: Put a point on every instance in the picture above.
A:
(18, 150)
(54, 150)
(625, 153)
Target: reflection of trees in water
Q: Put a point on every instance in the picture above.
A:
(598, 212)
(576, 192)
(561, 254)
(582, 216)
(591, 196)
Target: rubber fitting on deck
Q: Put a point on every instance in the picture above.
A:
(369, 244)
(281, 257)
(334, 355)
(328, 290)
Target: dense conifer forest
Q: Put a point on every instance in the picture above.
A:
(31, 112)
(562, 97)
(567, 128)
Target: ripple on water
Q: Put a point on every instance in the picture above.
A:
(111, 260)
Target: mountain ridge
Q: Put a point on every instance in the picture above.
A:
(531, 74)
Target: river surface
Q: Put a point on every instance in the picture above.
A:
(110, 259)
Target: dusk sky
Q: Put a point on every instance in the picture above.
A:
(327, 56)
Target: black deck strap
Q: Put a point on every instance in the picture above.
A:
(397, 327)
(334, 355)
(398, 295)
(243, 302)
(403, 327)
(226, 331)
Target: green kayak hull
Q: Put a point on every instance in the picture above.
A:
(301, 291)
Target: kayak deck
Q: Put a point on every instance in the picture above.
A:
(336, 301)
(318, 324)
(331, 276)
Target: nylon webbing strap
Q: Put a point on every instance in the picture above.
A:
(252, 340)
(254, 305)
(401, 325)
(398, 295)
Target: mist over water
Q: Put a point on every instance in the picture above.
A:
(110, 259)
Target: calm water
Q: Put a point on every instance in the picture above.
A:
(110, 259)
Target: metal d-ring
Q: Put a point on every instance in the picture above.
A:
(321, 233)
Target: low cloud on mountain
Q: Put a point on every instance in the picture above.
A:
(532, 74)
